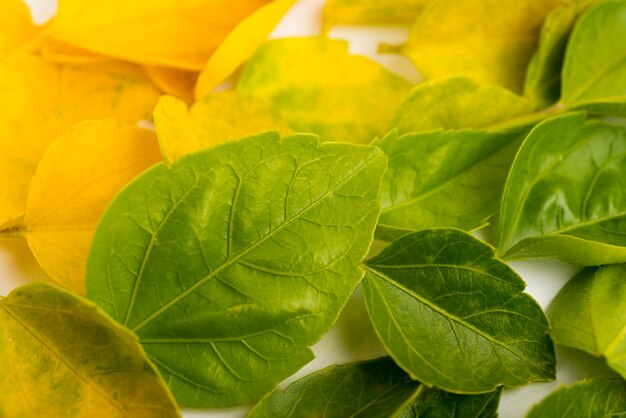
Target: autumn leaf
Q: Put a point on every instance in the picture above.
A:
(40, 100)
(78, 176)
(171, 33)
(215, 119)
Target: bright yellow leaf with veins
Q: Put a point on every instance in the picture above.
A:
(78, 176)
(215, 119)
(62, 357)
(40, 100)
(490, 41)
(240, 44)
(171, 33)
(16, 25)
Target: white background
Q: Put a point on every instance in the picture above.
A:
(352, 338)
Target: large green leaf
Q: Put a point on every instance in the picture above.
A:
(319, 87)
(594, 71)
(451, 178)
(455, 317)
(64, 358)
(490, 41)
(589, 314)
(232, 262)
(595, 398)
(455, 103)
(375, 388)
(543, 76)
(565, 197)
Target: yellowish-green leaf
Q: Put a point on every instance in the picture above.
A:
(16, 25)
(455, 103)
(40, 100)
(78, 176)
(240, 44)
(171, 33)
(319, 87)
(64, 358)
(372, 11)
(488, 40)
(215, 119)
(179, 83)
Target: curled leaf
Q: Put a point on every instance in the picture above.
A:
(63, 357)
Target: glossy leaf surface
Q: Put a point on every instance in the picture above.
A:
(444, 178)
(375, 388)
(78, 176)
(455, 317)
(595, 398)
(232, 262)
(594, 71)
(490, 41)
(217, 118)
(319, 87)
(54, 98)
(64, 358)
(589, 314)
(175, 33)
(456, 103)
(565, 197)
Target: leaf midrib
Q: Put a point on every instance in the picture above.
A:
(271, 234)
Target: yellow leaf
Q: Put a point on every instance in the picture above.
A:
(171, 33)
(490, 41)
(40, 100)
(240, 44)
(60, 52)
(80, 173)
(319, 87)
(372, 11)
(16, 25)
(63, 357)
(215, 119)
(179, 83)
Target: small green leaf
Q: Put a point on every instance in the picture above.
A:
(63, 357)
(595, 398)
(456, 103)
(565, 197)
(232, 262)
(370, 389)
(452, 179)
(589, 314)
(455, 317)
(594, 71)
(319, 87)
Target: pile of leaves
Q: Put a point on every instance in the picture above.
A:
(196, 263)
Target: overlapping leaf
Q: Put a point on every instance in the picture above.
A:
(435, 403)
(173, 81)
(232, 262)
(319, 87)
(77, 178)
(455, 317)
(488, 40)
(217, 118)
(589, 314)
(64, 358)
(565, 196)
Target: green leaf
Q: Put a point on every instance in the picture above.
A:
(63, 357)
(490, 41)
(367, 12)
(455, 103)
(595, 398)
(319, 87)
(375, 388)
(565, 197)
(589, 314)
(455, 317)
(543, 76)
(452, 178)
(232, 262)
(594, 71)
